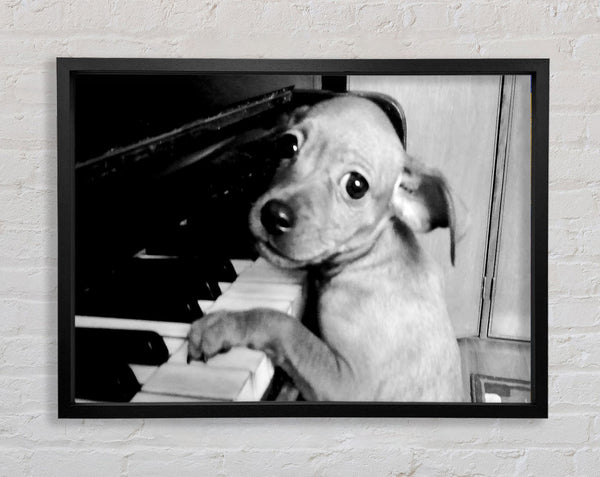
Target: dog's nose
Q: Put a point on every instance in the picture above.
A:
(277, 217)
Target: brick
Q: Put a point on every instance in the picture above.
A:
(540, 461)
(108, 432)
(66, 462)
(581, 351)
(19, 316)
(161, 461)
(121, 47)
(23, 51)
(573, 204)
(587, 461)
(591, 241)
(28, 355)
(440, 463)
(593, 129)
(36, 87)
(584, 312)
(28, 207)
(26, 395)
(567, 127)
(558, 430)
(574, 279)
(585, 50)
(43, 15)
(577, 166)
(563, 242)
(474, 16)
(424, 17)
(379, 18)
(332, 16)
(587, 94)
(15, 462)
(321, 462)
(265, 17)
(33, 247)
(574, 390)
(89, 14)
(557, 48)
(183, 16)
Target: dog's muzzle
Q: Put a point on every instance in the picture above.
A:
(277, 217)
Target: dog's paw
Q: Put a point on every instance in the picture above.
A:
(215, 333)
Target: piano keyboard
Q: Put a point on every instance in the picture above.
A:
(240, 374)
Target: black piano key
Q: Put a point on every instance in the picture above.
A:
(225, 271)
(149, 288)
(143, 305)
(130, 346)
(103, 378)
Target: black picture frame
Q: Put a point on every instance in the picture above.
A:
(69, 68)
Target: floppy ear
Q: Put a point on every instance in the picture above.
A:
(422, 200)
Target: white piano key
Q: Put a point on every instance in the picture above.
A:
(201, 381)
(224, 286)
(143, 372)
(276, 291)
(240, 265)
(205, 305)
(268, 290)
(256, 362)
(246, 303)
(270, 274)
(173, 344)
(180, 355)
(163, 328)
(155, 397)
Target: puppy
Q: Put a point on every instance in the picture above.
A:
(346, 204)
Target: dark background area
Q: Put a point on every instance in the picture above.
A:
(116, 110)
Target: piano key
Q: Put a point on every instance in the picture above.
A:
(103, 379)
(130, 346)
(224, 286)
(234, 303)
(256, 362)
(173, 344)
(263, 272)
(143, 372)
(163, 328)
(143, 396)
(205, 305)
(241, 265)
(201, 381)
(280, 290)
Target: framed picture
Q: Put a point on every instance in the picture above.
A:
(302, 237)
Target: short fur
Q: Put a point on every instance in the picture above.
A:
(383, 332)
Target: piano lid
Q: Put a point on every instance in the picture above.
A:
(183, 146)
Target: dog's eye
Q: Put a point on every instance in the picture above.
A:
(356, 185)
(286, 146)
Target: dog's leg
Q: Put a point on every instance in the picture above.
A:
(318, 372)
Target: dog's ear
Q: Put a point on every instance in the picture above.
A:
(422, 200)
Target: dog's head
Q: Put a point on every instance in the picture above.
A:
(344, 174)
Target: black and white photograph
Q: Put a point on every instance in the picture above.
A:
(292, 238)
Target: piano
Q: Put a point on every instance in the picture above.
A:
(162, 239)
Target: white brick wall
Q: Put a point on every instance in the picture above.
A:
(33, 33)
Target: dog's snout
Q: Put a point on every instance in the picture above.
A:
(277, 217)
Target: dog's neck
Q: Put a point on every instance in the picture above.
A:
(391, 242)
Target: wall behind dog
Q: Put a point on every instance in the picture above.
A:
(34, 442)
